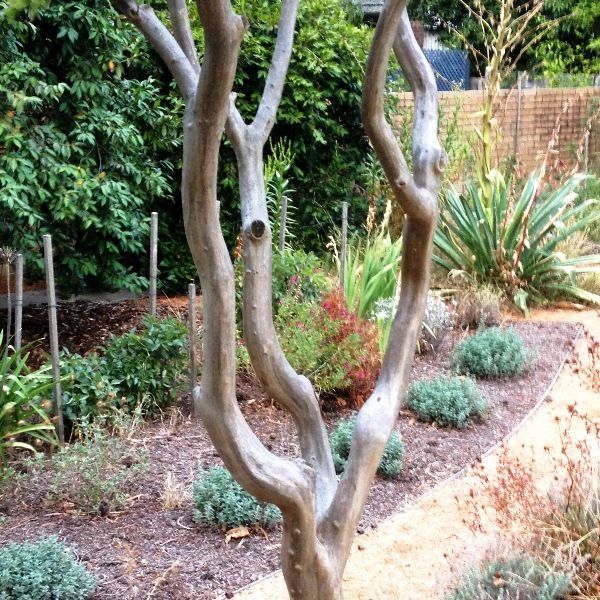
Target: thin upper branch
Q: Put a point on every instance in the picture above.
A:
(378, 129)
(162, 40)
(265, 116)
(429, 159)
(182, 30)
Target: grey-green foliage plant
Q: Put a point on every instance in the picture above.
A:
(512, 243)
(341, 438)
(447, 401)
(24, 403)
(492, 352)
(514, 578)
(46, 569)
(220, 500)
(95, 474)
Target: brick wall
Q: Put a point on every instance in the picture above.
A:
(539, 109)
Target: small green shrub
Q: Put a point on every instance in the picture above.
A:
(519, 577)
(491, 352)
(448, 401)
(94, 475)
(144, 365)
(341, 437)
(88, 389)
(46, 569)
(140, 367)
(221, 500)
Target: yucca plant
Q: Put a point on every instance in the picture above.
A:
(512, 243)
(24, 420)
(371, 272)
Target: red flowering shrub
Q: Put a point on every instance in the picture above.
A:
(337, 351)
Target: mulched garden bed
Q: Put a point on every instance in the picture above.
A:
(146, 551)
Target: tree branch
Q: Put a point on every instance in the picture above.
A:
(161, 39)
(418, 196)
(265, 116)
(182, 30)
(377, 128)
(270, 478)
(429, 159)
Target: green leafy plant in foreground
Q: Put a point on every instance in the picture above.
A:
(448, 401)
(512, 243)
(45, 569)
(24, 403)
(491, 352)
(340, 439)
(220, 500)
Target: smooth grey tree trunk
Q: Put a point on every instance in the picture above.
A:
(320, 514)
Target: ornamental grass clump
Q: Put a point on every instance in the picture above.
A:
(519, 577)
(447, 401)
(220, 500)
(44, 569)
(341, 438)
(491, 352)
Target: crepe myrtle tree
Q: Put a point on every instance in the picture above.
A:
(320, 514)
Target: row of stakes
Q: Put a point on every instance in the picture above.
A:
(192, 301)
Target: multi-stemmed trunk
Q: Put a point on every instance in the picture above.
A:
(320, 514)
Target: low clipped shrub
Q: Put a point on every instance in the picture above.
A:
(341, 437)
(44, 569)
(479, 306)
(491, 352)
(221, 500)
(519, 577)
(447, 401)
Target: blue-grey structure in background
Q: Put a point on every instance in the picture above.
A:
(451, 68)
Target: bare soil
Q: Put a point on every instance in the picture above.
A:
(148, 551)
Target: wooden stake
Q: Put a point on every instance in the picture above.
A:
(153, 262)
(518, 119)
(344, 243)
(283, 223)
(53, 336)
(18, 301)
(192, 342)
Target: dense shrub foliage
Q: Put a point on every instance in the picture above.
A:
(447, 401)
(491, 352)
(341, 438)
(220, 500)
(139, 367)
(330, 345)
(89, 140)
(44, 569)
(516, 577)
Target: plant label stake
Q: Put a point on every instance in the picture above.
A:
(53, 335)
(18, 301)
(192, 338)
(344, 243)
(153, 255)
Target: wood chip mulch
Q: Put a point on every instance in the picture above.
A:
(147, 551)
